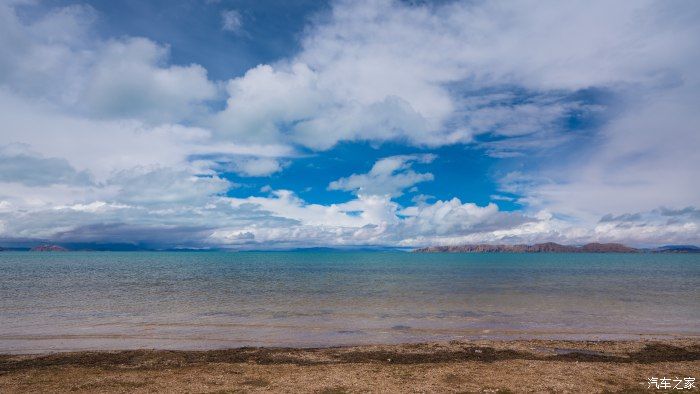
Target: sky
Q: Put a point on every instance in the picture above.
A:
(244, 124)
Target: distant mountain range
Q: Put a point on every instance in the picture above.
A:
(103, 247)
(548, 247)
(677, 249)
(551, 247)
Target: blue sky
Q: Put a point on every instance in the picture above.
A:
(262, 125)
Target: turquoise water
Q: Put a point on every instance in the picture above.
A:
(107, 300)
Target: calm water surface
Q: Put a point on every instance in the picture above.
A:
(109, 300)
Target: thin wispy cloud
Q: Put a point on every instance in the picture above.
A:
(231, 21)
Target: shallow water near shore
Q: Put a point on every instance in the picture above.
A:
(190, 300)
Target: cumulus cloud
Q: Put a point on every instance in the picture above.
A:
(366, 220)
(56, 58)
(127, 81)
(455, 218)
(97, 146)
(385, 70)
(264, 99)
(388, 176)
(44, 57)
(258, 166)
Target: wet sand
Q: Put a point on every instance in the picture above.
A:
(458, 366)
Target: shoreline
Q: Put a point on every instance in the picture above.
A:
(29, 344)
(476, 365)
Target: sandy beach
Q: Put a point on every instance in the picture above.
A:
(474, 366)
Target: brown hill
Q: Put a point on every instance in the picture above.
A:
(548, 247)
(607, 248)
(48, 248)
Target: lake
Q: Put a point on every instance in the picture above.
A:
(203, 300)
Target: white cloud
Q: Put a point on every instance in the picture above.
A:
(262, 100)
(655, 227)
(57, 59)
(260, 166)
(366, 220)
(644, 159)
(151, 186)
(98, 146)
(388, 176)
(249, 166)
(106, 138)
(127, 81)
(383, 70)
(45, 57)
(453, 219)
